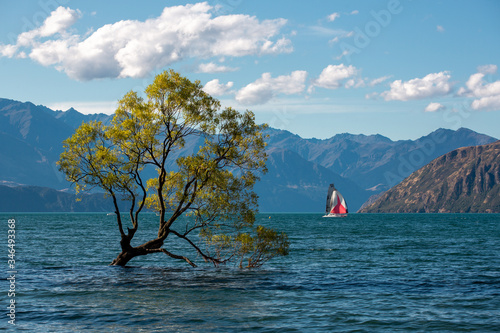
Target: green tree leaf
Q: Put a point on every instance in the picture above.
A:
(212, 185)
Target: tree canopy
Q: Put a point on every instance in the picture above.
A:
(206, 161)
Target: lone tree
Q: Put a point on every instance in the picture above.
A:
(211, 183)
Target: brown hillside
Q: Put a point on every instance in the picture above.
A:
(462, 181)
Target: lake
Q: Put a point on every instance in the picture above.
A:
(363, 273)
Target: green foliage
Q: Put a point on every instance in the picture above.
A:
(254, 250)
(213, 184)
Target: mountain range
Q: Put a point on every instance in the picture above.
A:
(44, 199)
(465, 180)
(300, 170)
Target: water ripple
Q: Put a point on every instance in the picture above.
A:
(365, 273)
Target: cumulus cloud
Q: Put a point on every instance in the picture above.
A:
(333, 76)
(433, 107)
(215, 88)
(8, 50)
(440, 28)
(266, 87)
(58, 22)
(434, 84)
(487, 95)
(282, 45)
(488, 103)
(132, 48)
(214, 68)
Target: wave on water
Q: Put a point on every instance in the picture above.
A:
(367, 272)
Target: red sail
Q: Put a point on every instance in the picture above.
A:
(339, 208)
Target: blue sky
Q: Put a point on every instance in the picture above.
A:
(400, 68)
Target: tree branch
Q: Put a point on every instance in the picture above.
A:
(203, 255)
(117, 212)
(172, 255)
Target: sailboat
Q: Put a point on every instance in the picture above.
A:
(335, 203)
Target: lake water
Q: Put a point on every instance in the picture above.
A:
(363, 273)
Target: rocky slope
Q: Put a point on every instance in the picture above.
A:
(466, 180)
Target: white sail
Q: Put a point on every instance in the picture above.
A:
(335, 203)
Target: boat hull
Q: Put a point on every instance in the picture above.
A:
(335, 215)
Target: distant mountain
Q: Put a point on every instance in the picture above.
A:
(293, 184)
(43, 199)
(375, 162)
(31, 143)
(300, 170)
(462, 181)
(74, 118)
(32, 137)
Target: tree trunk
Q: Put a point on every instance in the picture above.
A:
(129, 252)
(123, 258)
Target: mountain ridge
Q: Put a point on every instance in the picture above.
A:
(364, 164)
(379, 161)
(35, 199)
(301, 183)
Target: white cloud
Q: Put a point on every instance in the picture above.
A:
(324, 31)
(355, 83)
(433, 107)
(440, 28)
(214, 68)
(488, 103)
(434, 84)
(487, 95)
(132, 48)
(266, 87)
(487, 69)
(341, 34)
(215, 88)
(333, 76)
(355, 12)
(8, 50)
(58, 22)
(332, 17)
(379, 80)
(343, 54)
(372, 95)
(282, 45)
